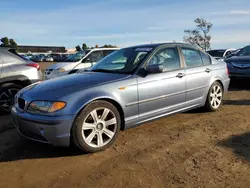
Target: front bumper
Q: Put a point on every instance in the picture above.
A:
(51, 130)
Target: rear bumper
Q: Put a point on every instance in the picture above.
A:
(45, 129)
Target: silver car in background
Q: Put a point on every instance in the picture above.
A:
(16, 72)
(127, 88)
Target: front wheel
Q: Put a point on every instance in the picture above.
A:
(214, 97)
(96, 127)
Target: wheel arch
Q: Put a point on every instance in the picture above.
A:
(19, 79)
(113, 102)
(217, 79)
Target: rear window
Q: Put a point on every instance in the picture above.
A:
(10, 56)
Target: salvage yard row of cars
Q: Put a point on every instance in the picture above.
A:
(119, 90)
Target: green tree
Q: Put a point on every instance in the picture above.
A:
(78, 48)
(5, 42)
(12, 44)
(109, 46)
(200, 35)
(84, 46)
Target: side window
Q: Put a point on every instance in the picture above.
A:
(205, 58)
(228, 53)
(192, 57)
(107, 52)
(96, 56)
(168, 57)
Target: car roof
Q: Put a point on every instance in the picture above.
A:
(155, 45)
(98, 49)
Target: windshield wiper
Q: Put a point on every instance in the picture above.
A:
(109, 71)
(103, 70)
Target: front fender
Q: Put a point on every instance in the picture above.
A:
(79, 100)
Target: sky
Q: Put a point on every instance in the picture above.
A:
(122, 22)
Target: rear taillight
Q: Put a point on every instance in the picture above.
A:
(34, 65)
(227, 70)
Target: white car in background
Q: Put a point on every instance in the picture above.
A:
(79, 61)
(220, 54)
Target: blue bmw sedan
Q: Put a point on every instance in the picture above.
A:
(127, 88)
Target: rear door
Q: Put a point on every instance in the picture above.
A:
(198, 74)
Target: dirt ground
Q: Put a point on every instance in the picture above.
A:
(192, 149)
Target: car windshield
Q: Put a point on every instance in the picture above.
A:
(216, 53)
(77, 56)
(122, 61)
(244, 51)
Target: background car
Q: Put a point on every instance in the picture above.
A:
(239, 65)
(15, 73)
(233, 53)
(220, 53)
(129, 87)
(48, 58)
(81, 60)
(38, 58)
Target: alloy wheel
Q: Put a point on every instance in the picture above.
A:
(216, 96)
(99, 127)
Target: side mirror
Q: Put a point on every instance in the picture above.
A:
(153, 69)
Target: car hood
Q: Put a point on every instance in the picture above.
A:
(238, 59)
(65, 65)
(67, 84)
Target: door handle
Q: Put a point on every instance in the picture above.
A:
(207, 70)
(180, 75)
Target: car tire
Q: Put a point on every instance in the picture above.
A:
(96, 127)
(214, 97)
(8, 92)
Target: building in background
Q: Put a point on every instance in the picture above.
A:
(40, 49)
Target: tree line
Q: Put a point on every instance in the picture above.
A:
(6, 42)
(84, 46)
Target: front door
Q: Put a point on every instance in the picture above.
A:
(162, 92)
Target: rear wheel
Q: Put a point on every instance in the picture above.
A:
(214, 97)
(96, 127)
(7, 95)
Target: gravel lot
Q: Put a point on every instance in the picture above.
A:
(192, 149)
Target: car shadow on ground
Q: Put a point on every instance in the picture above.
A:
(240, 144)
(26, 149)
(14, 147)
(239, 84)
(236, 102)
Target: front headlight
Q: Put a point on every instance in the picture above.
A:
(45, 106)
